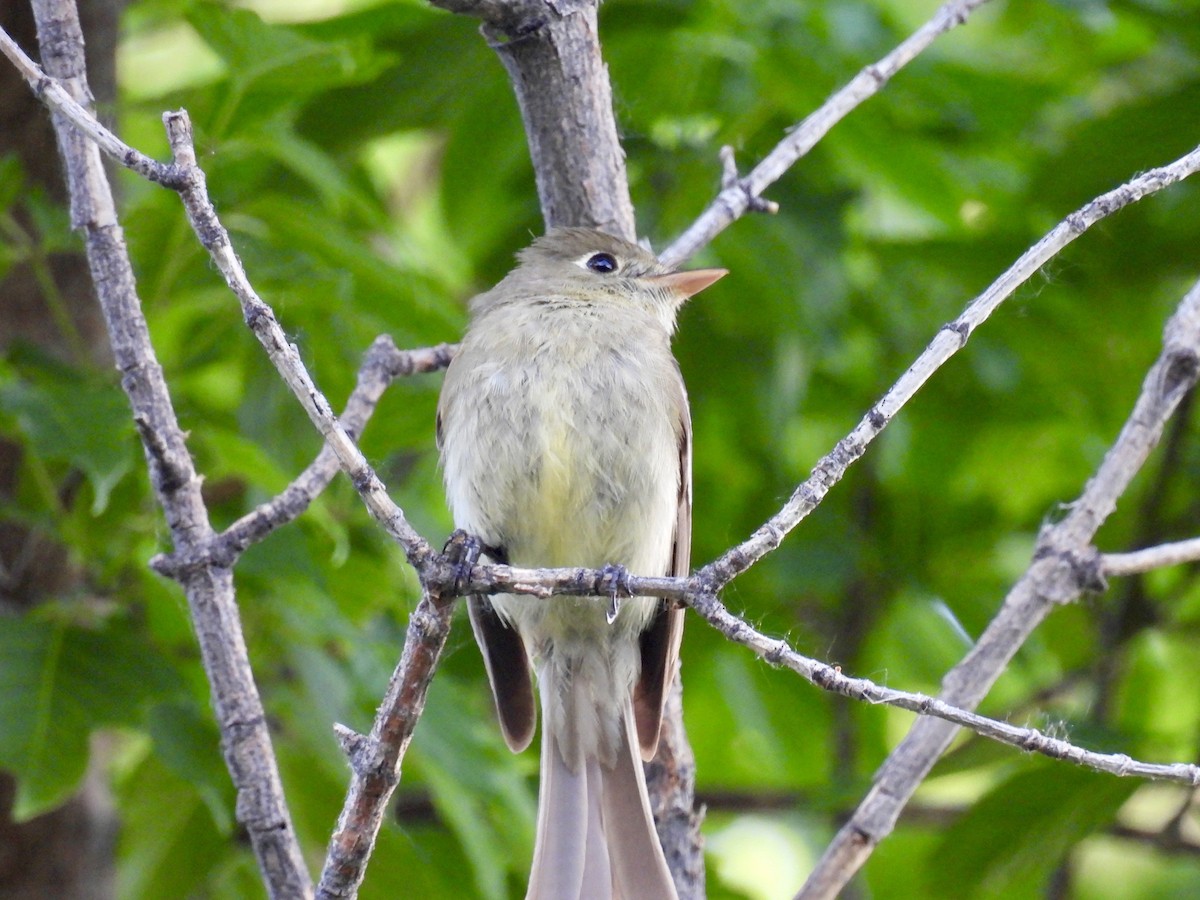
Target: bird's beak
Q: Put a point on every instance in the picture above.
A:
(685, 284)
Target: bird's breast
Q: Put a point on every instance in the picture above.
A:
(566, 438)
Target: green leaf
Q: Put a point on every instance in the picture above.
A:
(276, 57)
(57, 684)
(189, 744)
(1010, 841)
(169, 845)
(1155, 697)
(316, 168)
(403, 300)
(68, 419)
(12, 181)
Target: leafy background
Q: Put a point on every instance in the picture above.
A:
(369, 160)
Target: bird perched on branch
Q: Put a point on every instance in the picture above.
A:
(565, 440)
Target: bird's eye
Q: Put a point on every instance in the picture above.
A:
(603, 263)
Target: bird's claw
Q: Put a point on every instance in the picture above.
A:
(462, 552)
(614, 583)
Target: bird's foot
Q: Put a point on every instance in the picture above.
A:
(614, 583)
(462, 551)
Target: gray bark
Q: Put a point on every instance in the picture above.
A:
(551, 51)
(67, 852)
(246, 742)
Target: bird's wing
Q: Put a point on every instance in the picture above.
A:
(660, 641)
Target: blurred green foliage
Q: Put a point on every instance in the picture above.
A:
(370, 164)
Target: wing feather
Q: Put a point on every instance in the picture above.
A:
(660, 641)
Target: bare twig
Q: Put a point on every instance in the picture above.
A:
(831, 678)
(738, 195)
(283, 354)
(382, 365)
(1151, 558)
(951, 338)
(55, 94)
(375, 759)
(1167, 841)
(246, 742)
(1064, 565)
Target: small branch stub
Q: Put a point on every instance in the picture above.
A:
(731, 181)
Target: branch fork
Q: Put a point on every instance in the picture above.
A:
(732, 181)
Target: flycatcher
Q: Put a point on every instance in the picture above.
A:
(565, 440)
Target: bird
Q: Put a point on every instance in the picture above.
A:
(565, 439)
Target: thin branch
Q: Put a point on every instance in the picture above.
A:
(951, 338)
(739, 195)
(375, 759)
(831, 678)
(246, 742)
(1064, 566)
(382, 365)
(55, 95)
(259, 316)
(1138, 561)
(1171, 843)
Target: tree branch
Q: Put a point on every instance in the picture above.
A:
(1151, 558)
(55, 91)
(375, 759)
(382, 365)
(1064, 565)
(551, 51)
(246, 742)
(1031, 740)
(951, 338)
(739, 195)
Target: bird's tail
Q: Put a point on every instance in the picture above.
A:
(595, 834)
